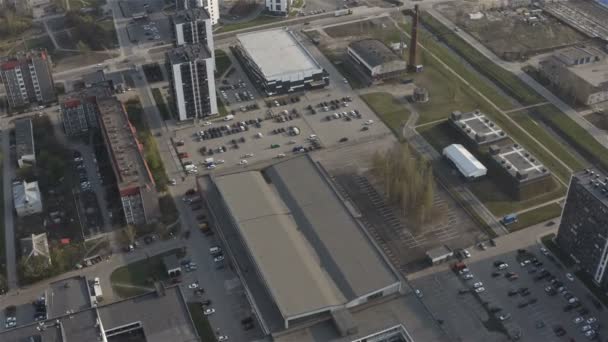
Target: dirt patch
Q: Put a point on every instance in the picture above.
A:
(599, 120)
(243, 8)
(513, 34)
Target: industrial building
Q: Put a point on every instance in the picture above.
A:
(193, 82)
(376, 60)
(278, 7)
(476, 127)
(584, 225)
(211, 6)
(79, 112)
(521, 174)
(158, 316)
(303, 249)
(278, 63)
(468, 166)
(135, 183)
(24, 142)
(191, 27)
(26, 198)
(28, 79)
(580, 73)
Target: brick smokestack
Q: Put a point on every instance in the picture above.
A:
(411, 64)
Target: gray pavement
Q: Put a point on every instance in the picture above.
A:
(9, 225)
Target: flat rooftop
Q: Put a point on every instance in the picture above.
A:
(374, 52)
(129, 164)
(477, 127)
(277, 52)
(67, 295)
(596, 74)
(306, 245)
(595, 182)
(24, 137)
(186, 16)
(188, 53)
(163, 316)
(518, 162)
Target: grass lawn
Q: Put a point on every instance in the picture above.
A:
(142, 273)
(547, 240)
(160, 104)
(221, 108)
(535, 216)
(261, 20)
(201, 323)
(388, 108)
(222, 62)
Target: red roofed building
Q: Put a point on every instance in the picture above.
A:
(28, 79)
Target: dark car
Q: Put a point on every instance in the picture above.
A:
(345, 139)
(522, 305)
(559, 331)
(532, 301)
(512, 293)
(495, 274)
(196, 207)
(206, 302)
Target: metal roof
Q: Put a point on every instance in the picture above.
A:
(465, 162)
(277, 53)
(374, 52)
(310, 251)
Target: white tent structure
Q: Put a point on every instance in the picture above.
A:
(465, 162)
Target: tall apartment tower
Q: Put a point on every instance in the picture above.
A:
(28, 79)
(211, 6)
(192, 81)
(191, 27)
(583, 231)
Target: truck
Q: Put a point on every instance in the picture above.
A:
(342, 12)
(97, 294)
(509, 219)
(190, 167)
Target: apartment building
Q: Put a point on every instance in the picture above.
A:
(28, 79)
(191, 27)
(211, 6)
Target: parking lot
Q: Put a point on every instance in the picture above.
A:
(263, 128)
(533, 309)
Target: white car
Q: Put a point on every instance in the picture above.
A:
(209, 311)
(281, 155)
(570, 276)
(369, 122)
(503, 266)
(586, 328)
(172, 181)
(578, 320)
(345, 81)
(248, 155)
(218, 258)
(211, 166)
(206, 123)
(478, 285)
(466, 253)
(590, 333)
(193, 286)
(243, 162)
(591, 320)
(222, 338)
(544, 251)
(480, 289)
(418, 293)
(463, 271)
(220, 161)
(467, 276)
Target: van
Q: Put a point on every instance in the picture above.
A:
(215, 250)
(190, 167)
(229, 117)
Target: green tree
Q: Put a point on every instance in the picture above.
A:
(34, 268)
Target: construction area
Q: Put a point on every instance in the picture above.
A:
(512, 33)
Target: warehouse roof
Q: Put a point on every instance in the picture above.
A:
(465, 162)
(308, 248)
(277, 52)
(373, 51)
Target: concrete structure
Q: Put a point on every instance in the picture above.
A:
(26, 198)
(439, 254)
(158, 316)
(311, 255)
(584, 224)
(193, 81)
(28, 79)
(211, 6)
(465, 162)
(191, 27)
(35, 245)
(578, 72)
(278, 7)
(24, 142)
(79, 112)
(172, 265)
(278, 63)
(376, 60)
(476, 127)
(134, 180)
(520, 173)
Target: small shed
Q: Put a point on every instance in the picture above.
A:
(439, 254)
(172, 265)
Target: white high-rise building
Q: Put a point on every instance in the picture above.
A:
(211, 6)
(193, 82)
(191, 27)
(279, 6)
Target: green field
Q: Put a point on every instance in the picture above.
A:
(201, 323)
(222, 62)
(159, 99)
(388, 109)
(535, 216)
(261, 20)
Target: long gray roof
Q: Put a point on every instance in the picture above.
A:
(373, 51)
(308, 248)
